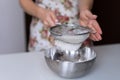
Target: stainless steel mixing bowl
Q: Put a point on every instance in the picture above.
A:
(70, 64)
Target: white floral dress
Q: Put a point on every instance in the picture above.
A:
(66, 11)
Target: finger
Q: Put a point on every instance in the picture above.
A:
(93, 37)
(90, 15)
(96, 37)
(46, 24)
(50, 21)
(95, 16)
(54, 19)
(83, 17)
(97, 27)
(91, 27)
(82, 23)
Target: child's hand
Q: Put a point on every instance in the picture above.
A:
(87, 19)
(47, 17)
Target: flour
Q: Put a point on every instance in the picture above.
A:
(73, 39)
(67, 46)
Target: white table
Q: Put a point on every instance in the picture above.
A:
(32, 66)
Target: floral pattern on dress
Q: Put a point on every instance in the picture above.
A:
(67, 4)
(66, 11)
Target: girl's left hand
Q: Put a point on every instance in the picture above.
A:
(89, 20)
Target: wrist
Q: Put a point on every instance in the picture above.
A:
(39, 11)
(85, 8)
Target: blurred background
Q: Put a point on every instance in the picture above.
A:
(12, 27)
(14, 24)
(108, 17)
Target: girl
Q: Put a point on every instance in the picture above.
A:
(46, 13)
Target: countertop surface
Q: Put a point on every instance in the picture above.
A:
(32, 66)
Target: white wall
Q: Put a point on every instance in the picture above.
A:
(12, 29)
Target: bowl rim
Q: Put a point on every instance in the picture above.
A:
(85, 61)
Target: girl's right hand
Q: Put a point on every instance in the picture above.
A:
(47, 17)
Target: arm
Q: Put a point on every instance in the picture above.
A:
(85, 4)
(46, 16)
(30, 7)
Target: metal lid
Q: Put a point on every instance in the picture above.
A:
(69, 29)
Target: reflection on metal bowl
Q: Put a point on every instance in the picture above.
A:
(70, 64)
